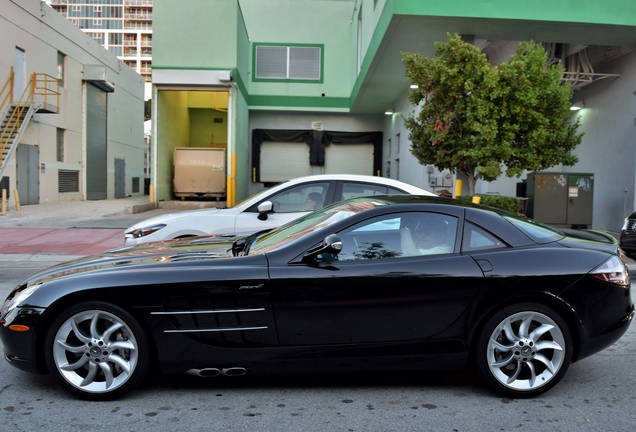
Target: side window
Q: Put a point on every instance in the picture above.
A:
(476, 239)
(301, 198)
(355, 190)
(427, 233)
(377, 238)
(393, 191)
(399, 235)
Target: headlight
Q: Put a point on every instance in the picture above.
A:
(18, 298)
(142, 232)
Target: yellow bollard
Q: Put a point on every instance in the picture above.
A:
(459, 185)
(17, 199)
(151, 192)
(476, 199)
(4, 202)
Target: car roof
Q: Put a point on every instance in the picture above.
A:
(362, 178)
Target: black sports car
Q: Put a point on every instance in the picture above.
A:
(368, 284)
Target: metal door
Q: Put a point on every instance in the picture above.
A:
(96, 149)
(28, 178)
(20, 78)
(580, 199)
(120, 178)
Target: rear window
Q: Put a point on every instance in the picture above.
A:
(537, 231)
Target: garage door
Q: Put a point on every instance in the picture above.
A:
(349, 159)
(282, 161)
(96, 153)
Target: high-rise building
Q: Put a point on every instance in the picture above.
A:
(123, 27)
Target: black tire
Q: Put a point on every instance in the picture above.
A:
(523, 350)
(97, 351)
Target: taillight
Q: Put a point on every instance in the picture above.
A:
(613, 270)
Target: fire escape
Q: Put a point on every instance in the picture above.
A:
(41, 95)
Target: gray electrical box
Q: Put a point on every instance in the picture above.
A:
(561, 199)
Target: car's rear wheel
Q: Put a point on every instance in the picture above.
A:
(523, 350)
(97, 351)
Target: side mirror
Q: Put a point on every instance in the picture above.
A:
(331, 244)
(264, 208)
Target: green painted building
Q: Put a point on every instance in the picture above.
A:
(289, 88)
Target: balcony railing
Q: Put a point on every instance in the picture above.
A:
(140, 26)
(138, 16)
(137, 2)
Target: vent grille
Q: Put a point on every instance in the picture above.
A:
(67, 181)
(281, 62)
(135, 184)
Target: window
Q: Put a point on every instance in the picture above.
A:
(61, 60)
(301, 198)
(399, 235)
(276, 62)
(354, 190)
(97, 22)
(60, 144)
(397, 144)
(476, 239)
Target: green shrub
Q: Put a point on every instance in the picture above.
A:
(509, 204)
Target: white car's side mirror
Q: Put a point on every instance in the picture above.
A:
(264, 208)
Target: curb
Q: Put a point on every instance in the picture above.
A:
(40, 257)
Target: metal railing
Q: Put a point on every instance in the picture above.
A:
(41, 89)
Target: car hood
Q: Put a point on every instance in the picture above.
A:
(157, 254)
(590, 239)
(192, 214)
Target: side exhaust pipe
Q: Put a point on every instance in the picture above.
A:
(213, 372)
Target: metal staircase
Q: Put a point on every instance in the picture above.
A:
(41, 95)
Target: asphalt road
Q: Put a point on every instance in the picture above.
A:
(597, 394)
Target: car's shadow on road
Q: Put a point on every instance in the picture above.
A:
(466, 379)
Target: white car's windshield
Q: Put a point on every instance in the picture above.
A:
(257, 194)
(312, 222)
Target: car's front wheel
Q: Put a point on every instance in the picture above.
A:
(97, 351)
(523, 350)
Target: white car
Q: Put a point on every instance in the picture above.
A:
(267, 209)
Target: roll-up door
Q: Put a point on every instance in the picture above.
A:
(282, 161)
(96, 149)
(349, 159)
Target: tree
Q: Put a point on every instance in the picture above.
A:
(482, 119)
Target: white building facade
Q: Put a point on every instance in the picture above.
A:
(85, 136)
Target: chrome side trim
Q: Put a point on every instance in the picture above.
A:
(211, 311)
(222, 329)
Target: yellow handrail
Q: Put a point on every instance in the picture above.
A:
(42, 87)
(7, 91)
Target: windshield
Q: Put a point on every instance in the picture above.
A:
(311, 223)
(263, 192)
(537, 231)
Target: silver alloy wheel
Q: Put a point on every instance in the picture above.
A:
(95, 351)
(526, 351)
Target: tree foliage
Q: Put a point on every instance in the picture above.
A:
(483, 119)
